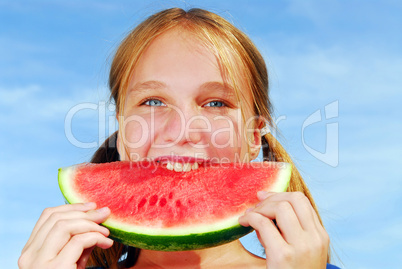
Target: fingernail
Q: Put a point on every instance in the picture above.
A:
(249, 210)
(110, 241)
(105, 230)
(103, 210)
(90, 204)
(262, 193)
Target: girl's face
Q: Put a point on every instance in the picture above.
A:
(177, 104)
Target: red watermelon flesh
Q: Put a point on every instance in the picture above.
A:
(149, 201)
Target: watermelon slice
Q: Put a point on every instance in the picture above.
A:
(153, 207)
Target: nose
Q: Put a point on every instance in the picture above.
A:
(184, 125)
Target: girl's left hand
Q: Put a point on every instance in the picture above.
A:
(298, 239)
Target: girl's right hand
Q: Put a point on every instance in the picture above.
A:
(64, 236)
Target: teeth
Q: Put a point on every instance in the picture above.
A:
(169, 166)
(186, 167)
(180, 167)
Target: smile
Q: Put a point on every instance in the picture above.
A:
(181, 167)
(181, 163)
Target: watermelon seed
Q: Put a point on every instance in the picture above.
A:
(153, 200)
(142, 203)
(162, 202)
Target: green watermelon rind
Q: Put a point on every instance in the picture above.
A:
(179, 242)
(172, 239)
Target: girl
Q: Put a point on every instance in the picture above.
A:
(187, 84)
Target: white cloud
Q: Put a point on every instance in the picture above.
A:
(380, 239)
(33, 102)
(30, 117)
(316, 11)
(73, 4)
(12, 97)
(356, 79)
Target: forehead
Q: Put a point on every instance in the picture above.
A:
(180, 51)
(177, 52)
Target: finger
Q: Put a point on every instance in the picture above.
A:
(74, 249)
(315, 232)
(63, 208)
(262, 195)
(286, 220)
(302, 207)
(266, 229)
(50, 211)
(64, 230)
(92, 215)
(82, 262)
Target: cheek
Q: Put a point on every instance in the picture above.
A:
(225, 134)
(136, 133)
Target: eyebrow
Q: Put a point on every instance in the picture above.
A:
(140, 87)
(211, 86)
(220, 89)
(218, 86)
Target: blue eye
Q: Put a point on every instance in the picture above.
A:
(154, 102)
(215, 104)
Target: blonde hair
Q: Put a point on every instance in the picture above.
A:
(241, 65)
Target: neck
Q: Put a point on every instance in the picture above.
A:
(229, 255)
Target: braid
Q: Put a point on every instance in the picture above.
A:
(274, 152)
(109, 258)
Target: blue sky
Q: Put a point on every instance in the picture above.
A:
(338, 60)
